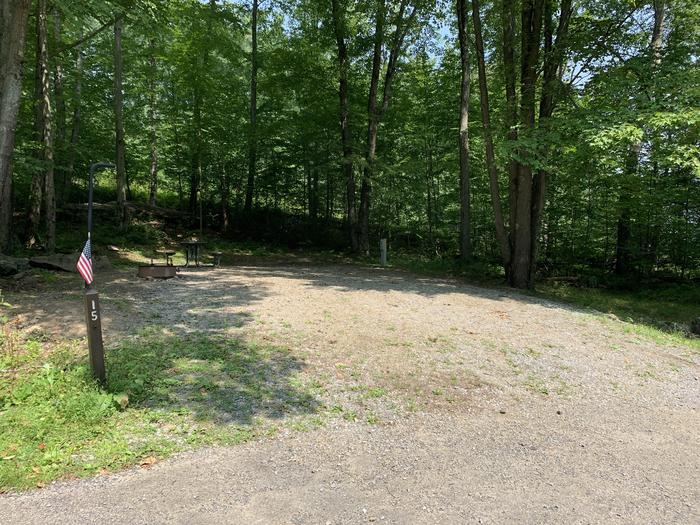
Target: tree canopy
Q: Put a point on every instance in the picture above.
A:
(559, 136)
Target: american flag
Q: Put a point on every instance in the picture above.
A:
(84, 265)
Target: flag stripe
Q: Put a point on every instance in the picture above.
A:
(84, 264)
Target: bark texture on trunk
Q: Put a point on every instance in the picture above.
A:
(196, 174)
(13, 32)
(120, 146)
(521, 232)
(312, 191)
(511, 114)
(555, 50)
(657, 32)
(501, 238)
(225, 191)
(36, 191)
(401, 22)
(75, 129)
(372, 127)
(153, 175)
(465, 245)
(60, 113)
(429, 207)
(42, 187)
(200, 65)
(526, 188)
(345, 134)
(253, 139)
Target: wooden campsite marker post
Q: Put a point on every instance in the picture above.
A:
(94, 333)
(93, 317)
(382, 252)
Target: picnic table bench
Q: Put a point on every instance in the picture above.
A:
(192, 252)
(168, 254)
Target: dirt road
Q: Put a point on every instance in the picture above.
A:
(473, 405)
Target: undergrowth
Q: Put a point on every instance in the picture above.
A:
(165, 394)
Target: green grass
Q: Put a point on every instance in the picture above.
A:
(165, 394)
(660, 313)
(660, 304)
(536, 385)
(478, 272)
(658, 310)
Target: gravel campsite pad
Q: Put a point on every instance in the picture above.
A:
(374, 395)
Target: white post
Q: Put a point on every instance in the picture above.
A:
(382, 252)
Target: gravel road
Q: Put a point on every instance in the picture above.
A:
(522, 410)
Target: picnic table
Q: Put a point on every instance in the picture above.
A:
(192, 251)
(168, 254)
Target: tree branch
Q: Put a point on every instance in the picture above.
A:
(90, 35)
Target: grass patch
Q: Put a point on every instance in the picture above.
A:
(478, 272)
(536, 385)
(660, 311)
(165, 394)
(374, 392)
(661, 305)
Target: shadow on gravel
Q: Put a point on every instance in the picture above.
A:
(197, 301)
(346, 278)
(214, 379)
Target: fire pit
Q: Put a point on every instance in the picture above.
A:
(157, 271)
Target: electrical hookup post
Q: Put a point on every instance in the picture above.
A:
(93, 317)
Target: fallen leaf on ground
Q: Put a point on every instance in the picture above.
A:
(148, 462)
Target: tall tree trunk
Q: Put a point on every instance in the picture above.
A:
(511, 114)
(36, 191)
(430, 212)
(48, 143)
(196, 173)
(119, 126)
(253, 138)
(43, 181)
(531, 23)
(225, 192)
(60, 114)
(501, 237)
(50, 194)
(311, 187)
(307, 180)
(345, 134)
(623, 248)
(153, 178)
(176, 145)
(555, 52)
(402, 24)
(13, 30)
(372, 127)
(200, 66)
(314, 194)
(658, 31)
(75, 130)
(465, 245)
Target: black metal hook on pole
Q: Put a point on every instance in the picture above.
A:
(92, 299)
